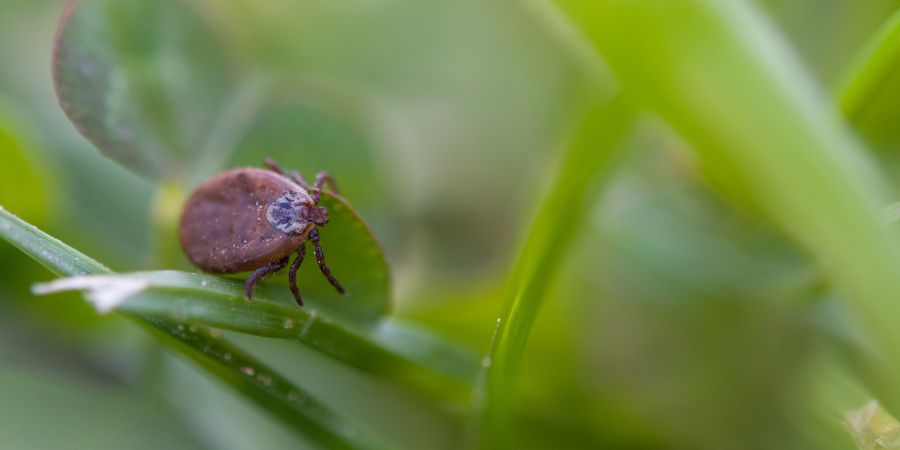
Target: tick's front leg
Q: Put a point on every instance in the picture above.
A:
(322, 178)
(320, 258)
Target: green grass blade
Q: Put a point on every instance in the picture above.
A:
(869, 91)
(265, 387)
(716, 73)
(220, 303)
(563, 211)
(225, 362)
(50, 252)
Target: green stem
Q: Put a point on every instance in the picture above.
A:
(716, 74)
(563, 211)
(870, 72)
(164, 215)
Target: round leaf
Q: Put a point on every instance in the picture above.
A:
(143, 81)
(356, 260)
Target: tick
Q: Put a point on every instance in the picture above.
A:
(252, 219)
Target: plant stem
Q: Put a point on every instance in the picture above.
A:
(165, 212)
(870, 72)
(590, 157)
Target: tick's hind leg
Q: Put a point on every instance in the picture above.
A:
(260, 273)
(320, 258)
(292, 274)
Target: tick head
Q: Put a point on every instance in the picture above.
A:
(318, 215)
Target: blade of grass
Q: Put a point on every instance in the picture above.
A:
(867, 95)
(274, 393)
(390, 348)
(868, 77)
(225, 362)
(723, 80)
(575, 189)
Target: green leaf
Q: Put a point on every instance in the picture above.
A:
(577, 185)
(315, 126)
(205, 347)
(869, 92)
(715, 72)
(356, 260)
(144, 81)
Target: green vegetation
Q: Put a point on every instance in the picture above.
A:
(563, 224)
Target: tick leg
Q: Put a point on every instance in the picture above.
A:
(320, 258)
(292, 274)
(260, 273)
(293, 175)
(323, 178)
(273, 166)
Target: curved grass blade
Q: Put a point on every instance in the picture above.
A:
(227, 363)
(274, 393)
(714, 71)
(869, 92)
(386, 348)
(563, 211)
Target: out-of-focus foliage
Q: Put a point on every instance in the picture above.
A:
(728, 283)
(869, 90)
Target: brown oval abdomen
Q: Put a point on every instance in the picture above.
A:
(224, 228)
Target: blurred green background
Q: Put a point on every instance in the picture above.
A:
(680, 320)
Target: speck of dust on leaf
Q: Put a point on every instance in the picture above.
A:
(264, 379)
(105, 292)
(308, 324)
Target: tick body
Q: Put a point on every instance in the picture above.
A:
(253, 219)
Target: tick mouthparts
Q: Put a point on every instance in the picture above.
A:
(319, 215)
